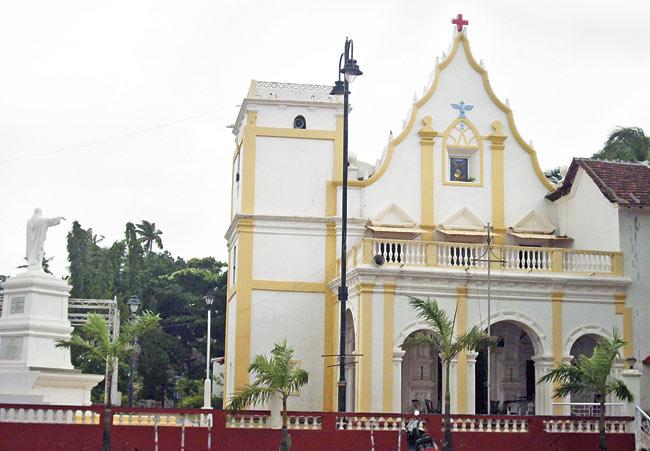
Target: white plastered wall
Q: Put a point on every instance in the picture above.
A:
(587, 216)
(298, 318)
(289, 251)
(282, 116)
(291, 175)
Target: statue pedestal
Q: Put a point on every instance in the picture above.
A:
(32, 369)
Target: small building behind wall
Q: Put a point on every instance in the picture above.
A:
(571, 262)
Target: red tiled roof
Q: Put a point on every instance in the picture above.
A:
(622, 183)
(646, 361)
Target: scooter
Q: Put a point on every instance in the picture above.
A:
(417, 438)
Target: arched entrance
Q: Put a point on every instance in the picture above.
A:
(421, 378)
(583, 345)
(350, 366)
(512, 372)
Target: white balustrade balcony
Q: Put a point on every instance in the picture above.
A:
(463, 256)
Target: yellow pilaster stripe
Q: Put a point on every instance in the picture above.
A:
(365, 338)
(497, 138)
(331, 318)
(556, 309)
(461, 328)
(329, 337)
(293, 286)
(389, 314)
(244, 304)
(626, 312)
(427, 136)
(248, 165)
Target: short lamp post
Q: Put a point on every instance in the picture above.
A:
(350, 69)
(207, 384)
(134, 305)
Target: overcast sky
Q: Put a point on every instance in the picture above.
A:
(155, 83)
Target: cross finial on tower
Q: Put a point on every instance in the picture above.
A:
(459, 22)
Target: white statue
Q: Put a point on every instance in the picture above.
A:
(36, 231)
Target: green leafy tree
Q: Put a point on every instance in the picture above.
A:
(442, 336)
(149, 235)
(554, 175)
(625, 144)
(98, 346)
(593, 375)
(134, 261)
(277, 376)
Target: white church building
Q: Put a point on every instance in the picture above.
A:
(572, 259)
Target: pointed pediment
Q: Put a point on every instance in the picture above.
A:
(393, 216)
(463, 219)
(534, 222)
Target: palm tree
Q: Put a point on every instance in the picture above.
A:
(627, 144)
(593, 375)
(95, 341)
(149, 235)
(277, 376)
(441, 335)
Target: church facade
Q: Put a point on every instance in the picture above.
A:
(564, 268)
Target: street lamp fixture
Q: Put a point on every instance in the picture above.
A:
(207, 383)
(134, 305)
(350, 69)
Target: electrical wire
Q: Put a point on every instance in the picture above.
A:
(111, 138)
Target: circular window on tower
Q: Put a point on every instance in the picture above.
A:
(299, 122)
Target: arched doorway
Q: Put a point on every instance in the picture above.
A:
(350, 366)
(421, 378)
(583, 346)
(512, 372)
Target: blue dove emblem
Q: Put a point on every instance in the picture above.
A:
(462, 107)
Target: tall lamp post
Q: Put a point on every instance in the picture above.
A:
(134, 305)
(350, 69)
(207, 384)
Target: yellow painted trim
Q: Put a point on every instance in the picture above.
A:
(461, 366)
(275, 132)
(225, 353)
(289, 286)
(461, 38)
(365, 343)
(628, 335)
(330, 329)
(445, 153)
(617, 264)
(244, 302)
(427, 135)
(497, 139)
(330, 333)
(389, 321)
(619, 303)
(247, 177)
(556, 308)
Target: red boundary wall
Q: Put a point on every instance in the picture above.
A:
(67, 437)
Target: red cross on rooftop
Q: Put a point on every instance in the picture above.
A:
(459, 22)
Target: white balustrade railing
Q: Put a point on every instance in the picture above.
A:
(468, 255)
(584, 425)
(367, 423)
(400, 251)
(527, 258)
(247, 421)
(461, 255)
(480, 424)
(590, 409)
(641, 428)
(48, 416)
(162, 419)
(587, 261)
(305, 421)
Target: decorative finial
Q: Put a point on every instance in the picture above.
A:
(459, 22)
(415, 97)
(530, 143)
(482, 64)
(444, 55)
(508, 102)
(390, 135)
